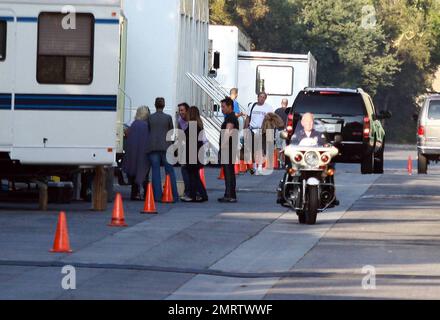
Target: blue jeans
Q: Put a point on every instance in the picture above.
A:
(157, 159)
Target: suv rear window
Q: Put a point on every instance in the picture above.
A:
(338, 104)
(434, 110)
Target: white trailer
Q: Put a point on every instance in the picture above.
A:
(59, 77)
(166, 40)
(279, 75)
(228, 41)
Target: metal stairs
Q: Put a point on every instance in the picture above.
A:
(211, 116)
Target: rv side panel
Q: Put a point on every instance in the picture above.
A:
(281, 76)
(166, 39)
(7, 76)
(225, 40)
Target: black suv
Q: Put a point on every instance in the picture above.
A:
(351, 121)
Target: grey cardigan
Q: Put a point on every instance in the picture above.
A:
(160, 123)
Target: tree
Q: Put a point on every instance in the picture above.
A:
(412, 29)
(390, 48)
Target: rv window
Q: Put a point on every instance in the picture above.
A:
(3, 27)
(275, 80)
(65, 56)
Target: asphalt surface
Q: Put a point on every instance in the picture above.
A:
(251, 250)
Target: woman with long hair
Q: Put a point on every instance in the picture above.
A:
(197, 192)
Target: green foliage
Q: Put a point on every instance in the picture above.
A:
(392, 53)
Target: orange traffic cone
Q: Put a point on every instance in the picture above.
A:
(410, 166)
(243, 167)
(118, 217)
(222, 174)
(202, 177)
(150, 205)
(237, 169)
(167, 196)
(61, 242)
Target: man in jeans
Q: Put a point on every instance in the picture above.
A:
(228, 150)
(280, 143)
(160, 124)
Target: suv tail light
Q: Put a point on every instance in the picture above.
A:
(289, 127)
(421, 131)
(328, 93)
(367, 127)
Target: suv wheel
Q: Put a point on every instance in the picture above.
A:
(367, 164)
(422, 164)
(378, 160)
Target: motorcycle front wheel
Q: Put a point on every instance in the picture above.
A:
(301, 216)
(311, 211)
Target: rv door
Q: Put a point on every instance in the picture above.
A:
(7, 63)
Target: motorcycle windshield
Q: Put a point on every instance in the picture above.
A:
(310, 134)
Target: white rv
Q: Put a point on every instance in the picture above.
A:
(281, 76)
(59, 76)
(228, 41)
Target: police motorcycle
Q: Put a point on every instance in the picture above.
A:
(308, 183)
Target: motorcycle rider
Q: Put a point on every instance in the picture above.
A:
(309, 132)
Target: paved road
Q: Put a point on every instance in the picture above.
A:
(251, 250)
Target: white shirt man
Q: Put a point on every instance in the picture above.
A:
(259, 112)
(255, 122)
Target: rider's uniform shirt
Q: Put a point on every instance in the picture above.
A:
(298, 137)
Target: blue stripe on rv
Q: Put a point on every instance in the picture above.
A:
(27, 19)
(9, 19)
(107, 21)
(66, 102)
(5, 101)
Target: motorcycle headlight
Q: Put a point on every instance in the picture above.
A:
(312, 159)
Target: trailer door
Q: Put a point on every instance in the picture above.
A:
(7, 60)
